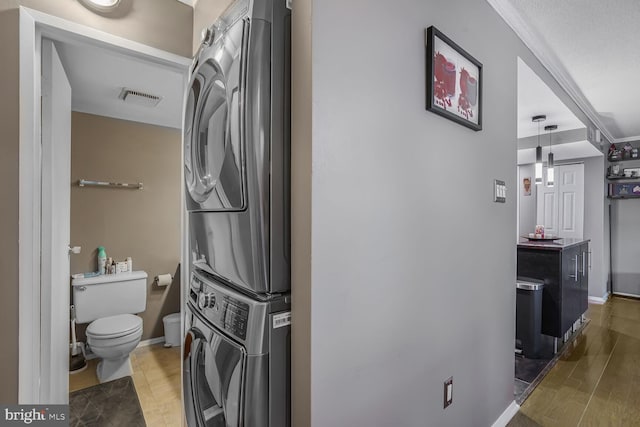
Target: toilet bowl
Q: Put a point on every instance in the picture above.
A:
(108, 303)
(112, 339)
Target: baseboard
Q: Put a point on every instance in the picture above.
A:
(598, 300)
(152, 341)
(622, 294)
(506, 416)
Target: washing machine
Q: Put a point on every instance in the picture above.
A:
(236, 370)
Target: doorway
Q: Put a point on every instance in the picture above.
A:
(44, 292)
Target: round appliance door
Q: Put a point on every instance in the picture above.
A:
(214, 153)
(213, 376)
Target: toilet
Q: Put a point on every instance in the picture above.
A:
(109, 303)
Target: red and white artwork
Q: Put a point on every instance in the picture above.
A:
(455, 85)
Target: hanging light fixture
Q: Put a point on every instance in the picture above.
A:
(550, 171)
(538, 119)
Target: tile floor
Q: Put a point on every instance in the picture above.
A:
(157, 378)
(596, 382)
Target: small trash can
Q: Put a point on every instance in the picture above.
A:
(529, 316)
(171, 330)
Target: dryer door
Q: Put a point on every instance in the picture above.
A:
(213, 134)
(213, 377)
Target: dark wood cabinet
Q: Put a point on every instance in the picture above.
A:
(564, 267)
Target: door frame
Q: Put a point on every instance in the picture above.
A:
(35, 25)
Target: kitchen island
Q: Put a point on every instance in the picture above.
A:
(563, 265)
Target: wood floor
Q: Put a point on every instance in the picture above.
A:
(157, 377)
(597, 381)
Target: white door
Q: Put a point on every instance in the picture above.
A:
(56, 180)
(561, 207)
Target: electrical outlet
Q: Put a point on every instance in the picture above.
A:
(448, 392)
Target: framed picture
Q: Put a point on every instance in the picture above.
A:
(454, 81)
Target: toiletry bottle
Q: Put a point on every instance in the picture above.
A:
(129, 264)
(108, 269)
(102, 260)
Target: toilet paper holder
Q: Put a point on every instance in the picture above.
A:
(163, 279)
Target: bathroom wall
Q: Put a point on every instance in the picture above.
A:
(9, 123)
(164, 24)
(143, 224)
(204, 14)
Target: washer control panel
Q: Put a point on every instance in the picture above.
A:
(224, 311)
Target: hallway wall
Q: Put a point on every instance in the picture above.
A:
(410, 271)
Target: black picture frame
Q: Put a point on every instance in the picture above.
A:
(453, 81)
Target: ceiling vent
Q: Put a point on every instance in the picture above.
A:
(137, 97)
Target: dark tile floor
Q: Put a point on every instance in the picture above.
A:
(110, 404)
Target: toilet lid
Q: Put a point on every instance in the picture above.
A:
(115, 326)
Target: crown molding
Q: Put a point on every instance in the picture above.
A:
(541, 50)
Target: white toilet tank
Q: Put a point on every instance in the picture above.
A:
(109, 294)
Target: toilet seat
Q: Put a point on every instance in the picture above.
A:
(115, 326)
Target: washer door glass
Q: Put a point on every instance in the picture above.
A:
(214, 154)
(217, 370)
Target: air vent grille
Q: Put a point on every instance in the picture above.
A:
(138, 97)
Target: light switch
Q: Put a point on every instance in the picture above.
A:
(499, 191)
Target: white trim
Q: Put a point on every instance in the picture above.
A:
(149, 342)
(29, 214)
(552, 63)
(623, 294)
(33, 26)
(599, 300)
(507, 415)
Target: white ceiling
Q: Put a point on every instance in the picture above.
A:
(535, 98)
(98, 75)
(591, 48)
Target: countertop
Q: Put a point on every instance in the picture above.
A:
(554, 245)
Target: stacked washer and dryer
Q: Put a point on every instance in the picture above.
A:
(237, 151)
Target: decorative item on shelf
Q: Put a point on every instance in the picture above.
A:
(626, 154)
(615, 171)
(614, 154)
(634, 153)
(550, 167)
(538, 167)
(539, 233)
(631, 172)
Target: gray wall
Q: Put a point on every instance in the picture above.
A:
(626, 246)
(527, 204)
(412, 263)
(594, 223)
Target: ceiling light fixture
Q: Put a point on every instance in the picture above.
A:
(538, 119)
(550, 171)
(101, 5)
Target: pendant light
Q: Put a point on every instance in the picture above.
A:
(538, 119)
(550, 171)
